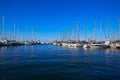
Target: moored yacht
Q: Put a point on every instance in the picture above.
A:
(64, 44)
(115, 45)
(74, 44)
(96, 45)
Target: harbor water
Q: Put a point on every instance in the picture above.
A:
(50, 62)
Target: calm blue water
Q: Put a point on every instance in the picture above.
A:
(49, 62)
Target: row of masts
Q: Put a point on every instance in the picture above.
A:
(14, 32)
(72, 41)
(15, 40)
(66, 36)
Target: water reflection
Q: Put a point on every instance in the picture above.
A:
(3, 49)
(41, 61)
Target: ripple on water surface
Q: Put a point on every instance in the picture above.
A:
(49, 62)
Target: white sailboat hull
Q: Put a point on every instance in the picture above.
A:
(64, 44)
(98, 46)
(74, 45)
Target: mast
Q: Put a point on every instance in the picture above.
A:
(101, 30)
(73, 33)
(108, 29)
(66, 34)
(78, 31)
(19, 35)
(14, 32)
(2, 26)
(113, 36)
(9, 35)
(57, 37)
(61, 36)
(27, 32)
(85, 28)
(95, 30)
(32, 34)
(119, 29)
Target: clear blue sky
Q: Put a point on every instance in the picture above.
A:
(50, 17)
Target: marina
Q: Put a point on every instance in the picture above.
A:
(59, 39)
(65, 40)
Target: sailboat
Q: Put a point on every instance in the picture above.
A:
(27, 42)
(58, 42)
(95, 45)
(32, 42)
(116, 44)
(14, 42)
(86, 44)
(65, 39)
(73, 43)
(79, 44)
(3, 41)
